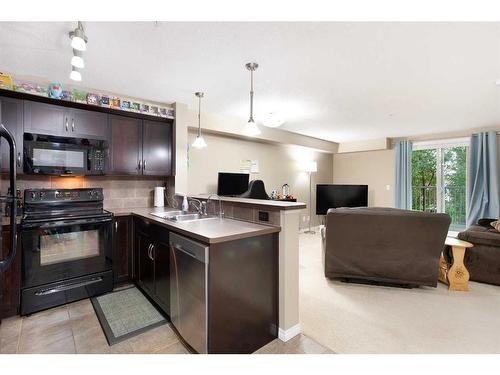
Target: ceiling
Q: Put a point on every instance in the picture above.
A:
(336, 81)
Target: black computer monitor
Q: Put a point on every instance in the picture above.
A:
(232, 184)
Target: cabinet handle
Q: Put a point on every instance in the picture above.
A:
(144, 165)
(116, 226)
(72, 125)
(151, 252)
(19, 159)
(140, 164)
(67, 124)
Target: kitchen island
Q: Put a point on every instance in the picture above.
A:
(286, 216)
(217, 279)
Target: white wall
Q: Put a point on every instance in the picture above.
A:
(279, 164)
(373, 168)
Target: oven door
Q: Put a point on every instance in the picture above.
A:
(55, 158)
(55, 251)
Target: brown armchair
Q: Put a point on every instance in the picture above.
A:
(384, 245)
(482, 260)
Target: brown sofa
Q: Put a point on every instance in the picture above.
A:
(384, 245)
(482, 260)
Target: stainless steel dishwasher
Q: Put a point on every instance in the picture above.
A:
(188, 290)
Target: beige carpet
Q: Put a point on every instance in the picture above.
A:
(352, 318)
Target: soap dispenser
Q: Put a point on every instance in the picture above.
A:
(185, 204)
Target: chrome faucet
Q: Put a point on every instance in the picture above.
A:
(221, 213)
(200, 207)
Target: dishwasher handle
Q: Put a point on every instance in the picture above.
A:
(189, 247)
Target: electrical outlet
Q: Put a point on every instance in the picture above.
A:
(387, 187)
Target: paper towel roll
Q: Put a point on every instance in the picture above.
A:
(159, 196)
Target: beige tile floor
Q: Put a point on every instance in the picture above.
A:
(74, 328)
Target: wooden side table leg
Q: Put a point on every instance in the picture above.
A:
(458, 276)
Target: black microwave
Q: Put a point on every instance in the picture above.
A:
(63, 156)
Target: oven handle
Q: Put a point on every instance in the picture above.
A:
(63, 287)
(65, 223)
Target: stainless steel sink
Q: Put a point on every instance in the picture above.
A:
(190, 217)
(166, 214)
(181, 217)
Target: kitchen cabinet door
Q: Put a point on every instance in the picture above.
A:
(157, 148)
(162, 275)
(125, 145)
(122, 249)
(11, 278)
(146, 275)
(44, 118)
(12, 119)
(87, 124)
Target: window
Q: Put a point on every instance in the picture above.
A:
(439, 179)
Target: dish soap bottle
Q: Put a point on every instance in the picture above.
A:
(185, 204)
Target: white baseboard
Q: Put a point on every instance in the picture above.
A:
(285, 335)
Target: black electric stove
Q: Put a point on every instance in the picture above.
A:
(66, 247)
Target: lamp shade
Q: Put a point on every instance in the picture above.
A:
(251, 129)
(310, 166)
(75, 75)
(199, 142)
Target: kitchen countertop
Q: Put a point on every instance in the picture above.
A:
(209, 231)
(282, 205)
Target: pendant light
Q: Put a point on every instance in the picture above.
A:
(251, 128)
(199, 142)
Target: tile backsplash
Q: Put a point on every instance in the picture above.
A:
(119, 192)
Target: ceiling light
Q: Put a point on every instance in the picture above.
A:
(77, 60)
(251, 128)
(78, 38)
(199, 142)
(75, 75)
(272, 120)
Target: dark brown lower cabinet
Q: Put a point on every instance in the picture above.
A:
(152, 262)
(11, 278)
(122, 249)
(241, 290)
(243, 294)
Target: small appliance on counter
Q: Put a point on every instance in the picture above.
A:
(159, 196)
(66, 247)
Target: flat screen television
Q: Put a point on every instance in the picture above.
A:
(232, 184)
(335, 196)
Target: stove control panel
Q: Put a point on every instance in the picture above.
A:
(58, 195)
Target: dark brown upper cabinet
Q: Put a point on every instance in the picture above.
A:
(157, 148)
(44, 118)
(12, 119)
(86, 124)
(140, 147)
(126, 145)
(51, 119)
